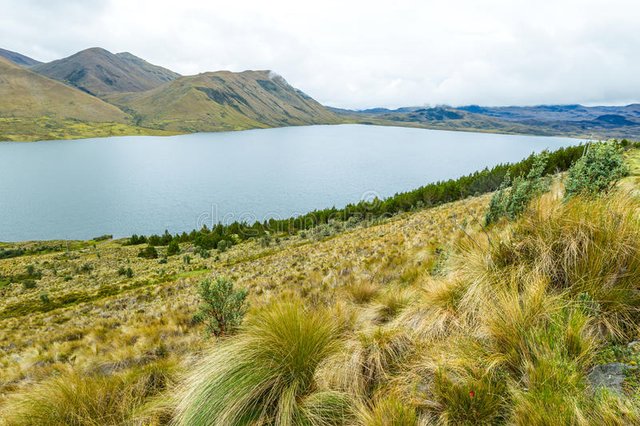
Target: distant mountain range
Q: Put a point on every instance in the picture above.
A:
(98, 93)
(599, 122)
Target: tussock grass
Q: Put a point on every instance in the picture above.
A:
(366, 361)
(438, 311)
(362, 292)
(589, 248)
(72, 399)
(388, 410)
(266, 374)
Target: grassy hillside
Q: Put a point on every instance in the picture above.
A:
(33, 107)
(24, 93)
(26, 129)
(428, 317)
(100, 72)
(143, 99)
(224, 100)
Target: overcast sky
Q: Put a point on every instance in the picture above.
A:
(359, 54)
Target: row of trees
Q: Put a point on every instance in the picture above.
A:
(480, 182)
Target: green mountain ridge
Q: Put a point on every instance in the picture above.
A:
(224, 100)
(96, 86)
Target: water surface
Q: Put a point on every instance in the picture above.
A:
(123, 185)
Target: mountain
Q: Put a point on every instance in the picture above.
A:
(224, 100)
(18, 58)
(25, 94)
(551, 120)
(100, 72)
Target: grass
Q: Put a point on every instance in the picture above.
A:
(266, 374)
(414, 320)
(71, 399)
(47, 128)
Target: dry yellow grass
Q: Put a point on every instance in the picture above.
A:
(135, 319)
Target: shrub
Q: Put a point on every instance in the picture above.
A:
(266, 374)
(203, 253)
(136, 239)
(512, 198)
(32, 272)
(597, 171)
(28, 284)
(125, 272)
(222, 307)
(148, 252)
(173, 248)
(85, 268)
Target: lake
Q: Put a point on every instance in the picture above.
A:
(123, 185)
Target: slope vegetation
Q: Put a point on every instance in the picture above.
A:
(224, 101)
(425, 318)
(100, 72)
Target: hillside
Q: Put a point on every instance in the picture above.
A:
(23, 93)
(33, 107)
(427, 317)
(100, 72)
(144, 99)
(599, 122)
(224, 100)
(18, 58)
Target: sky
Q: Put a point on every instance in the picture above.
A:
(361, 54)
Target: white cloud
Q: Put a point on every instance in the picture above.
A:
(364, 53)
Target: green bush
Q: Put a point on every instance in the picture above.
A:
(148, 252)
(222, 307)
(597, 171)
(513, 197)
(28, 284)
(125, 272)
(202, 252)
(173, 248)
(85, 268)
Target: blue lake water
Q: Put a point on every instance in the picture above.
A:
(85, 188)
